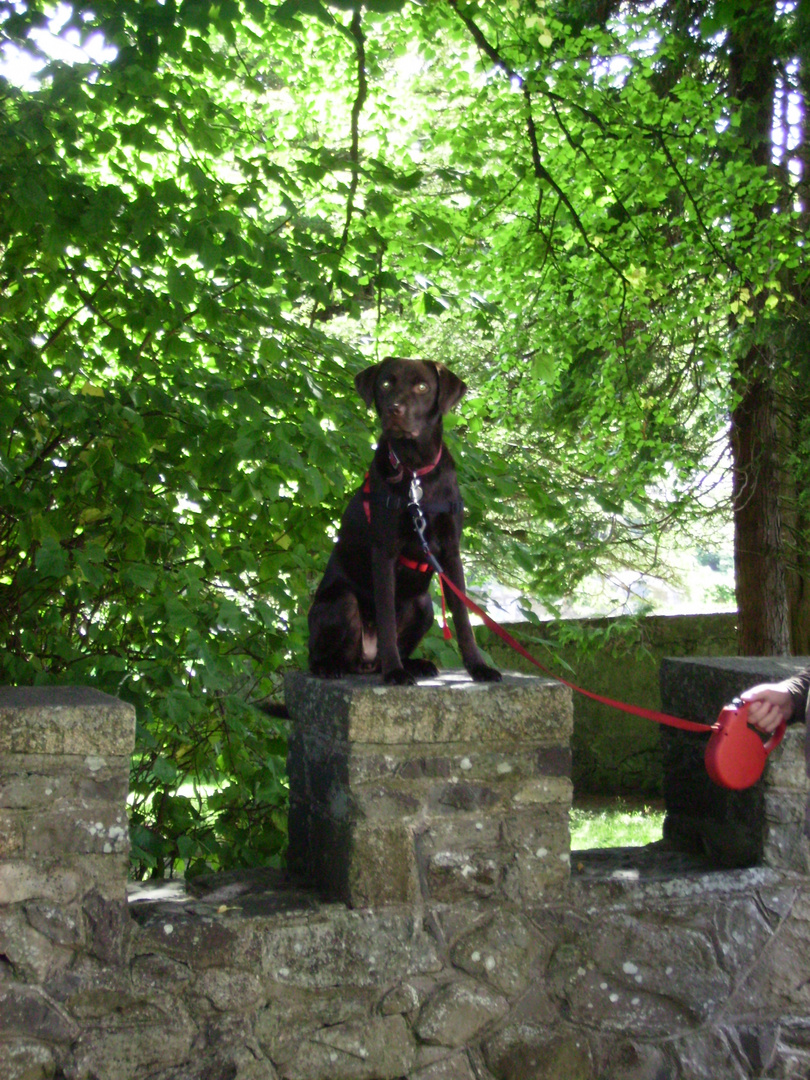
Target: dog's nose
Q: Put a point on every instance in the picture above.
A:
(396, 409)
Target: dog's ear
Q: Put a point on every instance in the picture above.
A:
(364, 383)
(451, 387)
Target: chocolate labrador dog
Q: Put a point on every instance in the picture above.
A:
(372, 607)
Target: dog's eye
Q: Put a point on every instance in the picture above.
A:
(385, 384)
(421, 388)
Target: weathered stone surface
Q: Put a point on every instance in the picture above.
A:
(451, 708)
(707, 1055)
(64, 720)
(408, 997)
(633, 972)
(126, 1051)
(507, 952)
(20, 881)
(62, 879)
(12, 834)
(458, 1011)
(293, 1014)
(786, 765)
(519, 854)
(780, 977)
(397, 790)
(151, 972)
(454, 1067)
(638, 1061)
(381, 866)
(339, 947)
(198, 941)
(99, 828)
(35, 958)
(24, 1059)
(231, 991)
(380, 1048)
(59, 924)
(467, 760)
(28, 1012)
(521, 1055)
(37, 781)
(107, 927)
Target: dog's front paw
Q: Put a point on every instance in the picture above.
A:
(483, 673)
(421, 669)
(399, 677)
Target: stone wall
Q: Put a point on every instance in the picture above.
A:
(640, 965)
(614, 753)
(763, 824)
(446, 790)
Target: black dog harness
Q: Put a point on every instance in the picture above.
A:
(413, 504)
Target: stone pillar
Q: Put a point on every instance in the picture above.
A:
(442, 791)
(64, 770)
(762, 825)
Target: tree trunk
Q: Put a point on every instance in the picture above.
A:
(761, 582)
(797, 403)
(759, 536)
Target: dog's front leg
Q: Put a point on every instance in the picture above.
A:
(473, 661)
(382, 569)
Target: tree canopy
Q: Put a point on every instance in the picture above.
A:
(212, 222)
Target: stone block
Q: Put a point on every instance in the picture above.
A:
(453, 1067)
(37, 781)
(380, 1048)
(64, 720)
(28, 1012)
(786, 765)
(231, 991)
(458, 1011)
(128, 1048)
(12, 833)
(397, 789)
(701, 816)
(518, 855)
(342, 947)
(382, 866)
(697, 687)
(37, 957)
(450, 709)
(20, 881)
(100, 828)
(26, 1059)
(521, 1054)
(62, 880)
(507, 952)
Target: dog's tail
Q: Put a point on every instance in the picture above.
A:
(273, 708)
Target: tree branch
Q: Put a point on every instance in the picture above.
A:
(356, 31)
(540, 171)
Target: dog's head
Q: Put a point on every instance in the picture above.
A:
(409, 395)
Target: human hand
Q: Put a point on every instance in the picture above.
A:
(769, 705)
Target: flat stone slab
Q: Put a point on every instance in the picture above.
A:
(64, 720)
(450, 708)
(697, 687)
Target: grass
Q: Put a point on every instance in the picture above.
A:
(610, 823)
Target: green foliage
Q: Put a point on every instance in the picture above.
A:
(203, 238)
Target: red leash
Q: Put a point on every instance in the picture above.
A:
(635, 710)
(735, 755)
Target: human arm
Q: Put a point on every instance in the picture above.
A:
(770, 704)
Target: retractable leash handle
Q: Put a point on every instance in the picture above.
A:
(735, 754)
